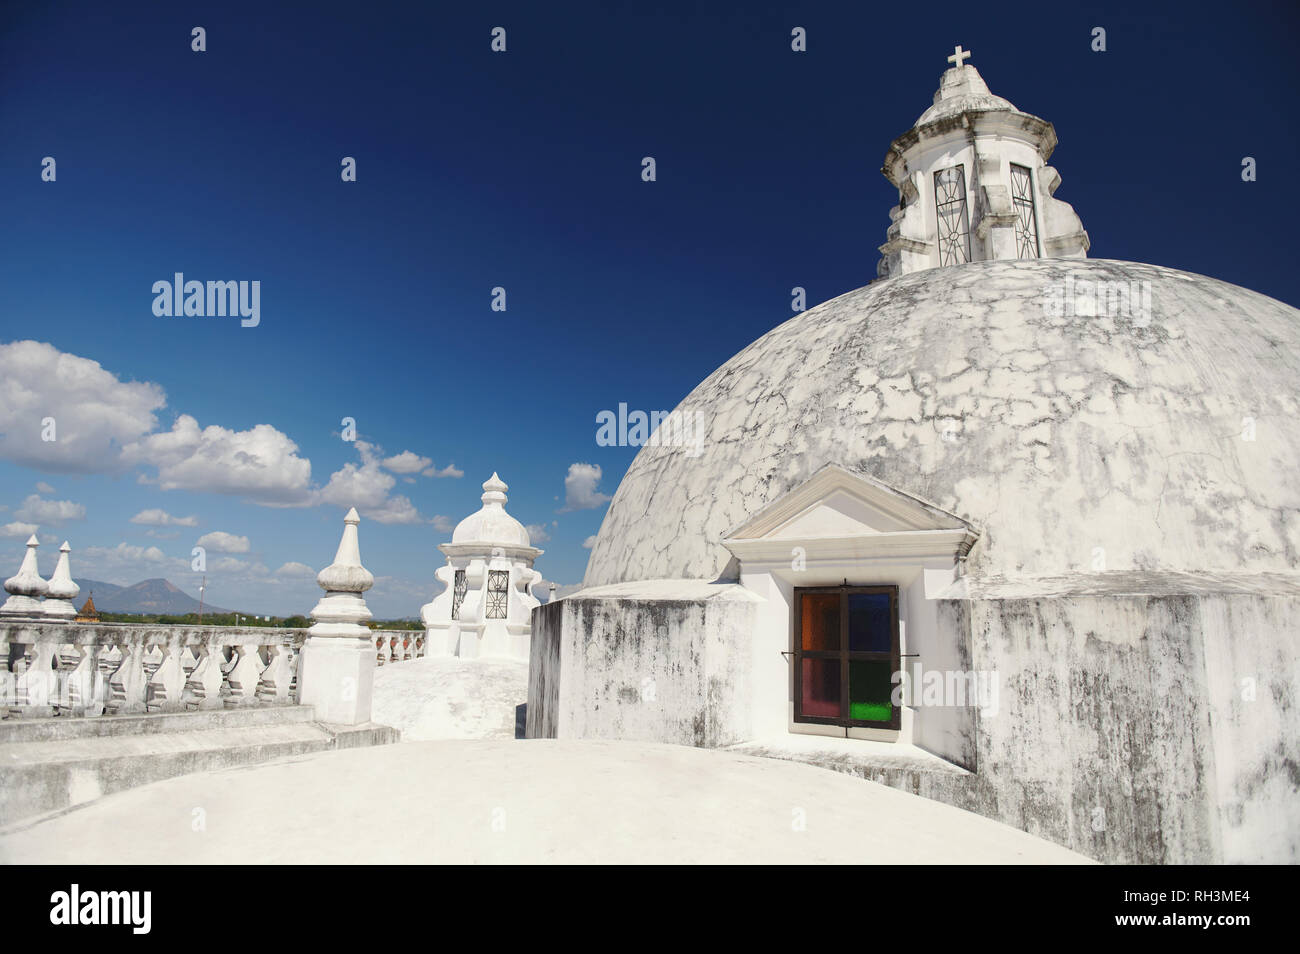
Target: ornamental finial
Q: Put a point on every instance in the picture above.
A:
(494, 490)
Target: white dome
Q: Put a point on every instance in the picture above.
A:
(1166, 440)
(490, 524)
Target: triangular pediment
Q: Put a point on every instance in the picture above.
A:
(835, 502)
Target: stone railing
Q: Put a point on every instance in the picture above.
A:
(93, 669)
(53, 665)
(397, 645)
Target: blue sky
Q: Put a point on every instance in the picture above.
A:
(521, 170)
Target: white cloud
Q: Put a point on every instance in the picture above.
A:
(229, 564)
(43, 488)
(366, 487)
(94, 413)
(543, 590)
(407, 462)
(397, 509)
(296, 570)
(161, 518)
(16, 529)
(537, 533)
(590, 542)
(125, 563)
(448, 471)
(57, 512)
(443, 523)
(580, 488)
(260, 463)
(221, 542)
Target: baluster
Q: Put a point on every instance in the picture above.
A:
(189, 659)
(295, 654)
(203, 687)
(277, 678)
(85, 685)
(166, 685)
(37, 687)
(244, 676)
(7, 692)
(127, 685)
(152, 659)
(66, 658)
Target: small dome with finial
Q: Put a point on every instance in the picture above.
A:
(490, 524)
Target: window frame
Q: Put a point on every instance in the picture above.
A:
(844, 655)
(460, 586)
(498, 597)
(1018, 201)
(962, 203)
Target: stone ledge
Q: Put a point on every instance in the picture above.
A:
(860, 757)
(39, 777)
(61, 729)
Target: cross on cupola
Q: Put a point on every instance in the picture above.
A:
(959, 56)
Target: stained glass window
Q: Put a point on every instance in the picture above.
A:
(954, 224)
(498, 587)
(846, 652)
(458, 594)
(1022, 195)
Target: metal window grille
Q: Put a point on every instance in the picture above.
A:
(498, 588)
(1022, 195)
(954, 224)
(458, 593)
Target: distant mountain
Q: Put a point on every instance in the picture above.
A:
(148, 596)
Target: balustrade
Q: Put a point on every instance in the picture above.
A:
(93, 669)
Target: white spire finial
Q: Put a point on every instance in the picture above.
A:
(959, 57)
(346, 574)
(62, 591)
(26, 587)
(342, 609)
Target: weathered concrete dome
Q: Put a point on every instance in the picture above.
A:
(1162, 434)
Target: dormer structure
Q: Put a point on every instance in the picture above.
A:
(974, 184)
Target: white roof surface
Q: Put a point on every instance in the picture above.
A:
(523, 801)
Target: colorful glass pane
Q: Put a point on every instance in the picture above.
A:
(871, 623)
(821, 688)
(820, 621)
(870, 687)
